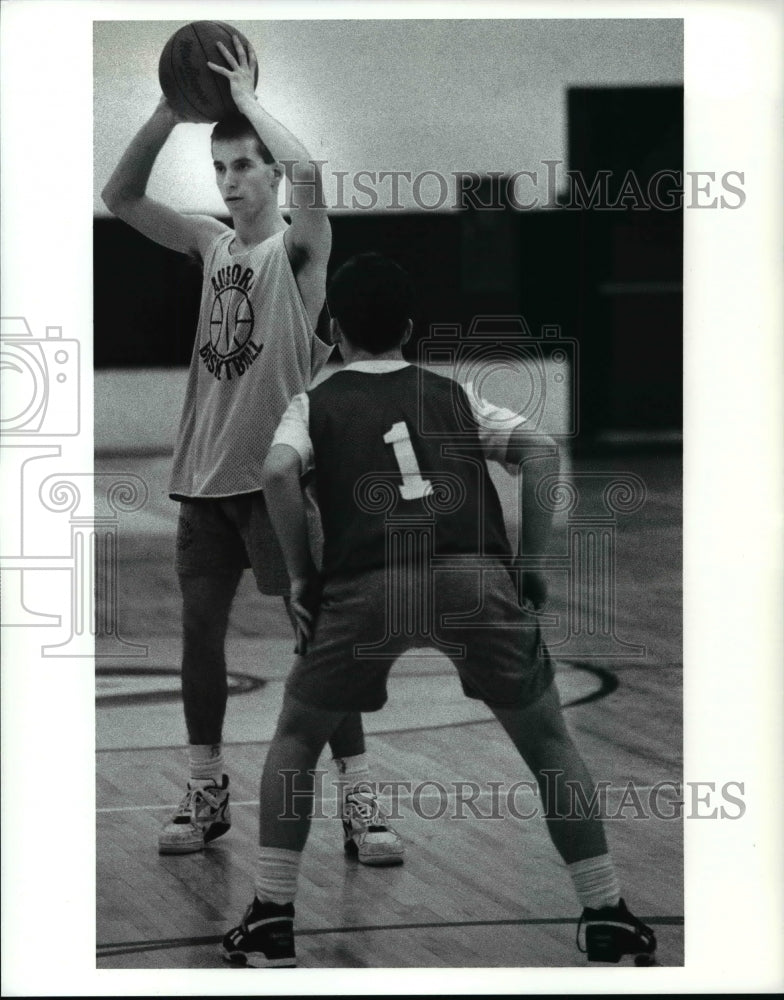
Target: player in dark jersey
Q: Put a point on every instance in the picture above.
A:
(263, 288)
(415, 552)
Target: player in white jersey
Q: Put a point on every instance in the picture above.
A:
(255, 349)
(415, 553)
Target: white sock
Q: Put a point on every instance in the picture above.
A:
(206, 762)
(276, 875)
(352, 772)
(595, 881)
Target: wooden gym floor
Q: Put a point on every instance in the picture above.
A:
(475, 891)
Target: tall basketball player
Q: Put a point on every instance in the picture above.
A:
(255, 349)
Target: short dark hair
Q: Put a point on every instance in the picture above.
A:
(372, 298)
(238, 127)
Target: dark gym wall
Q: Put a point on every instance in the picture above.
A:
(629, 267)
(612, 279)
(147, 298)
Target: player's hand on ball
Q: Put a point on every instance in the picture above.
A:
(535, 588)
(166, 108)
(241, 72)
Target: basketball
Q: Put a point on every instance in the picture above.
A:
(190, 86)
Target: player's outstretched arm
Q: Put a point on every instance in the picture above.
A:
(281, 482)
(536, 457)
(125, 192)
(309, 233)
(507, 438)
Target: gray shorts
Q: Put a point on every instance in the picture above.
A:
(472, 615)
(221, 537)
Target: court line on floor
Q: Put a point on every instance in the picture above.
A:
(424, 797)
(263, 743)
(608, 683)
(163, 944)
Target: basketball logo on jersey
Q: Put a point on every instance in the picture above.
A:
(230, 349)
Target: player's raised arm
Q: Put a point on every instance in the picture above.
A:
(309, 233)
(125, 192)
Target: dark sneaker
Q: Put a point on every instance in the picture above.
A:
(264, 939)
(202, 816)
(367, 833)
(612, 932)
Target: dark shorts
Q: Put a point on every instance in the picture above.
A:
(224, 536)
(472, 615)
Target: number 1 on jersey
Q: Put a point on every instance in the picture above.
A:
(414, 486)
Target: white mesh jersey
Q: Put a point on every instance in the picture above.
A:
(255, 349)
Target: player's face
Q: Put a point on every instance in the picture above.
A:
(246, 183)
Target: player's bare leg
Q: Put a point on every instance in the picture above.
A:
(540, 735)
(206, 603)
(285, 804)
(204, 812)
(348, 740)
(265, 936)
(367, 833)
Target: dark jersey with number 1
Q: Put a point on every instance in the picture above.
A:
(400, 472)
